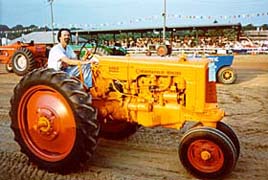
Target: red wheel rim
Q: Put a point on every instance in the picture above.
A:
(205, 156)
(46, 123)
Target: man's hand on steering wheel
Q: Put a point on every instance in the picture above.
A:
(88, 55)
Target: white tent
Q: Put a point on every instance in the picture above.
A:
(44, 37)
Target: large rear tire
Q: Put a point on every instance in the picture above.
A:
(207, 153)
(23, 61)
(53, 121)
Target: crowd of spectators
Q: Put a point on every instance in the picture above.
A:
(188, 42)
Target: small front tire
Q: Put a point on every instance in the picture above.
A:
(207, 153)
(23, 61)
(231, 134)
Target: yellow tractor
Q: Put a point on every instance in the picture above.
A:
(57, 122)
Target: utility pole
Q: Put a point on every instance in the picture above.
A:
(164, 23)
(52, 20)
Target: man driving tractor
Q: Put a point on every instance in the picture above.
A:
(62, 57)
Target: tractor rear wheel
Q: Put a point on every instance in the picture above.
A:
(226, 75)
(207, 153)
(53, 120)
(113, 129)
(23, 61)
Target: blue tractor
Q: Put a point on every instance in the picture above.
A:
(220, 68)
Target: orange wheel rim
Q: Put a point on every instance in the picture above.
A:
(46, 123)
(205, 156)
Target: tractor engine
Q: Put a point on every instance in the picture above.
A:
(154, 92)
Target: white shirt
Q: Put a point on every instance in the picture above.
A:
(58, 52)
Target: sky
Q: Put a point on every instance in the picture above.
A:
(109, 14)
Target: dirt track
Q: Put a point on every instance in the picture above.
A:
(151, 154)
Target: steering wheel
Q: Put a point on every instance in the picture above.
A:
(85, 52)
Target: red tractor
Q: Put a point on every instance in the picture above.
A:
(22, 58)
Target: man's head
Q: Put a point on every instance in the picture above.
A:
(64, 36)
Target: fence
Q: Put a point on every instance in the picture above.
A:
(175, 51)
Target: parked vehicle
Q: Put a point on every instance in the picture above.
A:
(220, 67)
(105, 50)
(162, 49)
(22, 58)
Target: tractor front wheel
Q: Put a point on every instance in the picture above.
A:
(53, 120)
(23, 61)
(231, 134)
(207, 153)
